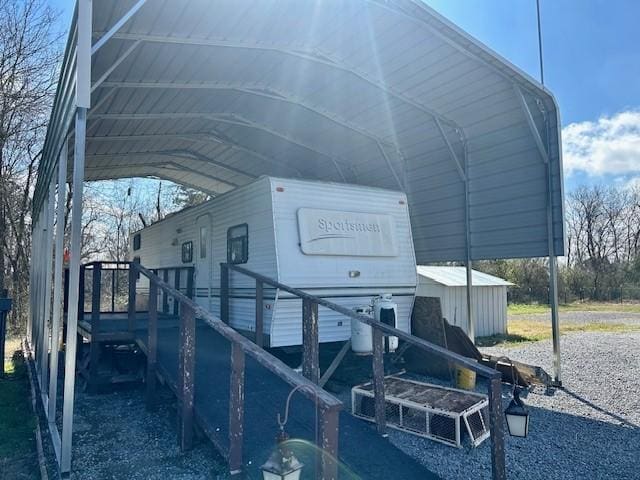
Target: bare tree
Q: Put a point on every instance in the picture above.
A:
(29, 56)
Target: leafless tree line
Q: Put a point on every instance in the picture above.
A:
(603, 238)
(29, 55)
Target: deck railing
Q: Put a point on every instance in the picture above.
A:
(311, 364)
(328, 406)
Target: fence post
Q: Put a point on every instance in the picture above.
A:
(131, 307)
(189, 292)
(498, 468)
(236, 409)
(186, 372)
(165, 295)
(378, 380)
(114, 273)
(224, 293)
(81, 294)
(176, 285)
(94, 346)
(259, 313)
(311, 353)
(152, 345)
(329, 424)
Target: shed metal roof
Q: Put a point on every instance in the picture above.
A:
(385, 93)
(457, 277)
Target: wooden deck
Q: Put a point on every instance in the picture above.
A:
(363, 452)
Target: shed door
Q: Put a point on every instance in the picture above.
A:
(203, 257)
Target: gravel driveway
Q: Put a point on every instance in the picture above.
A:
(583, 317)
(590, 430)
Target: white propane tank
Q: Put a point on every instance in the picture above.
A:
(385, 310)
(361, 333)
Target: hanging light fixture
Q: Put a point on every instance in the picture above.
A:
(516, 414)
(282, 464)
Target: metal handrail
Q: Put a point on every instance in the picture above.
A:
(264, 358)
(386, 329)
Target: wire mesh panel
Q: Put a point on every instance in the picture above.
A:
(439, 413)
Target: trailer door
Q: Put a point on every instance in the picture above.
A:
(203, 261)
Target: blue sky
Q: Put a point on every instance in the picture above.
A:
(591, 63)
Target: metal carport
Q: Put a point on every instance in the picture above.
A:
(374, 92)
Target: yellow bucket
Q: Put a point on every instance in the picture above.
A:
(465, 378)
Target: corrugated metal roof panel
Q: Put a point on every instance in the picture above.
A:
(347, 91)
(457, 277)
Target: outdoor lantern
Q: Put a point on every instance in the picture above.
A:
(517, 416)
(282, 464)
(516, 413)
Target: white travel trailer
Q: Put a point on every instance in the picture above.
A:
(345, 243)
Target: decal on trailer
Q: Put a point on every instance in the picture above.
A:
(331, 232)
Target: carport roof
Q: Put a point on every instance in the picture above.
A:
(382, 93)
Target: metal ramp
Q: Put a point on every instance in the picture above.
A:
(432, 411)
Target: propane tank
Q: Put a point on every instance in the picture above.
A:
(385, 310)
(361, 333)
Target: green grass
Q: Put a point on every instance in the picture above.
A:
(529, 309)
(17, 422)
(522, 330)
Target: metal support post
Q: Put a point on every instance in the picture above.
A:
(74, 278)
(57, 284)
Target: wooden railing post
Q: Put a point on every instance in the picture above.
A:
(310, 345)
(131, 306)
(94, 347)
(496, 426)
(328, 427)
(114, 272)
(378, 380)
(236, 409)
(186, 372)
(165, 295)
(259, 313)
(176, 285)
(189, 292)
(152, 345)
(81, 294)
(224, 293)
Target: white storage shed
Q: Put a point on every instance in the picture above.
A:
(449, 284)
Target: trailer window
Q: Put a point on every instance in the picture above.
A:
(136, 241)
(204, 234)
(238, 244)
(187, 252)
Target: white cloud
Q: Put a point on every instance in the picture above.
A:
(610, 146)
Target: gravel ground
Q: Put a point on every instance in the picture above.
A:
(115, 437)
(590, 430)
(584, 317)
